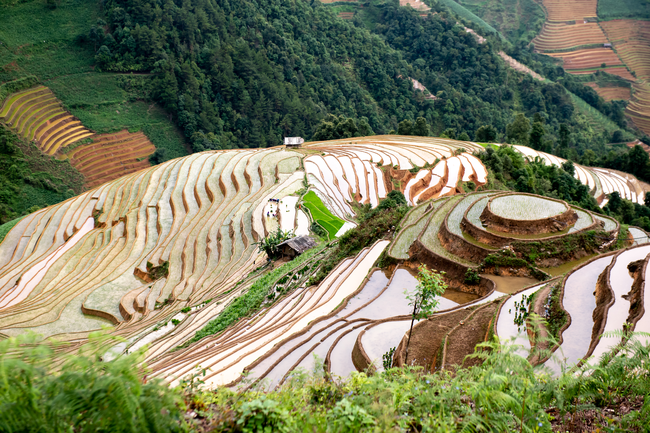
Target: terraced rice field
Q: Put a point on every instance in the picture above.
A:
(175, 243)
(563, 36)
(570, 10)
(111, 155)
(588, 59)
(36, 115)
(255, 337)
(136, 251)
(631, 39)
(599, 181)
(525, 207)
(199, 215)
(611, 93)
(348, 169)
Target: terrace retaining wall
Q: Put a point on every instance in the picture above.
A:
(454, 272)
(458, 246)
(543, 225)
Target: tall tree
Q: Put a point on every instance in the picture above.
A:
(537, 136)
(517, 131)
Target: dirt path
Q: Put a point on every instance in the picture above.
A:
(520, 67)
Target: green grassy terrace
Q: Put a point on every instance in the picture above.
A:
(322, 215)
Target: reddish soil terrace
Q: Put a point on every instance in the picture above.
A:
(562, 36)
(110, 156)
(570, 10)
(611, 93)
(590, 58)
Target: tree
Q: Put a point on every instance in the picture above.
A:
(333, 128)
(449, 133)
(518, 130)
(425, 298)
(405, 127)
(617, 136)
(537, 136)
(269, 244)
(638, 161)
(646, 200)
(486, 134)
(421, 127)
(564, 136)
(364, 128)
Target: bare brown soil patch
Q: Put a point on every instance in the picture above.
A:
(595, 420)
(463, 339)
(426, 341)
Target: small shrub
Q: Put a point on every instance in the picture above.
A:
(262, 415)
(387, 358)
(472, 277)
(318, 230)
(347, 417)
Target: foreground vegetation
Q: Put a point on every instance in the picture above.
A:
(82, 393)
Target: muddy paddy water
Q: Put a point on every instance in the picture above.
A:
(451, 297)
(510, 284)
(568, 266)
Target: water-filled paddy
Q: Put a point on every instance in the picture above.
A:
(526, 207)
(579, 301)
(510, 284)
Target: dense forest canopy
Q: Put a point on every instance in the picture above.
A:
(243, 74)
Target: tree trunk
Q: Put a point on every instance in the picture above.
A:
(408, 342)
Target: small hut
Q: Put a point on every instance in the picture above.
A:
(296, 246)
(292, 142)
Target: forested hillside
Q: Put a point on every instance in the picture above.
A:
(243, 74)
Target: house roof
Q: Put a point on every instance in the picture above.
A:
(300, 244)
(293, 140)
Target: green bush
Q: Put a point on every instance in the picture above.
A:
(262, 415)
(348, 417)
(472, 277)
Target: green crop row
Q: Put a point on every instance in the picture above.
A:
(322, 215)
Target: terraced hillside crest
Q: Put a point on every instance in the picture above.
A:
(162, 253)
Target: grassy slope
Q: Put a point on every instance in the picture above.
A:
(613, 9)
(37, 40)
(513, 18)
